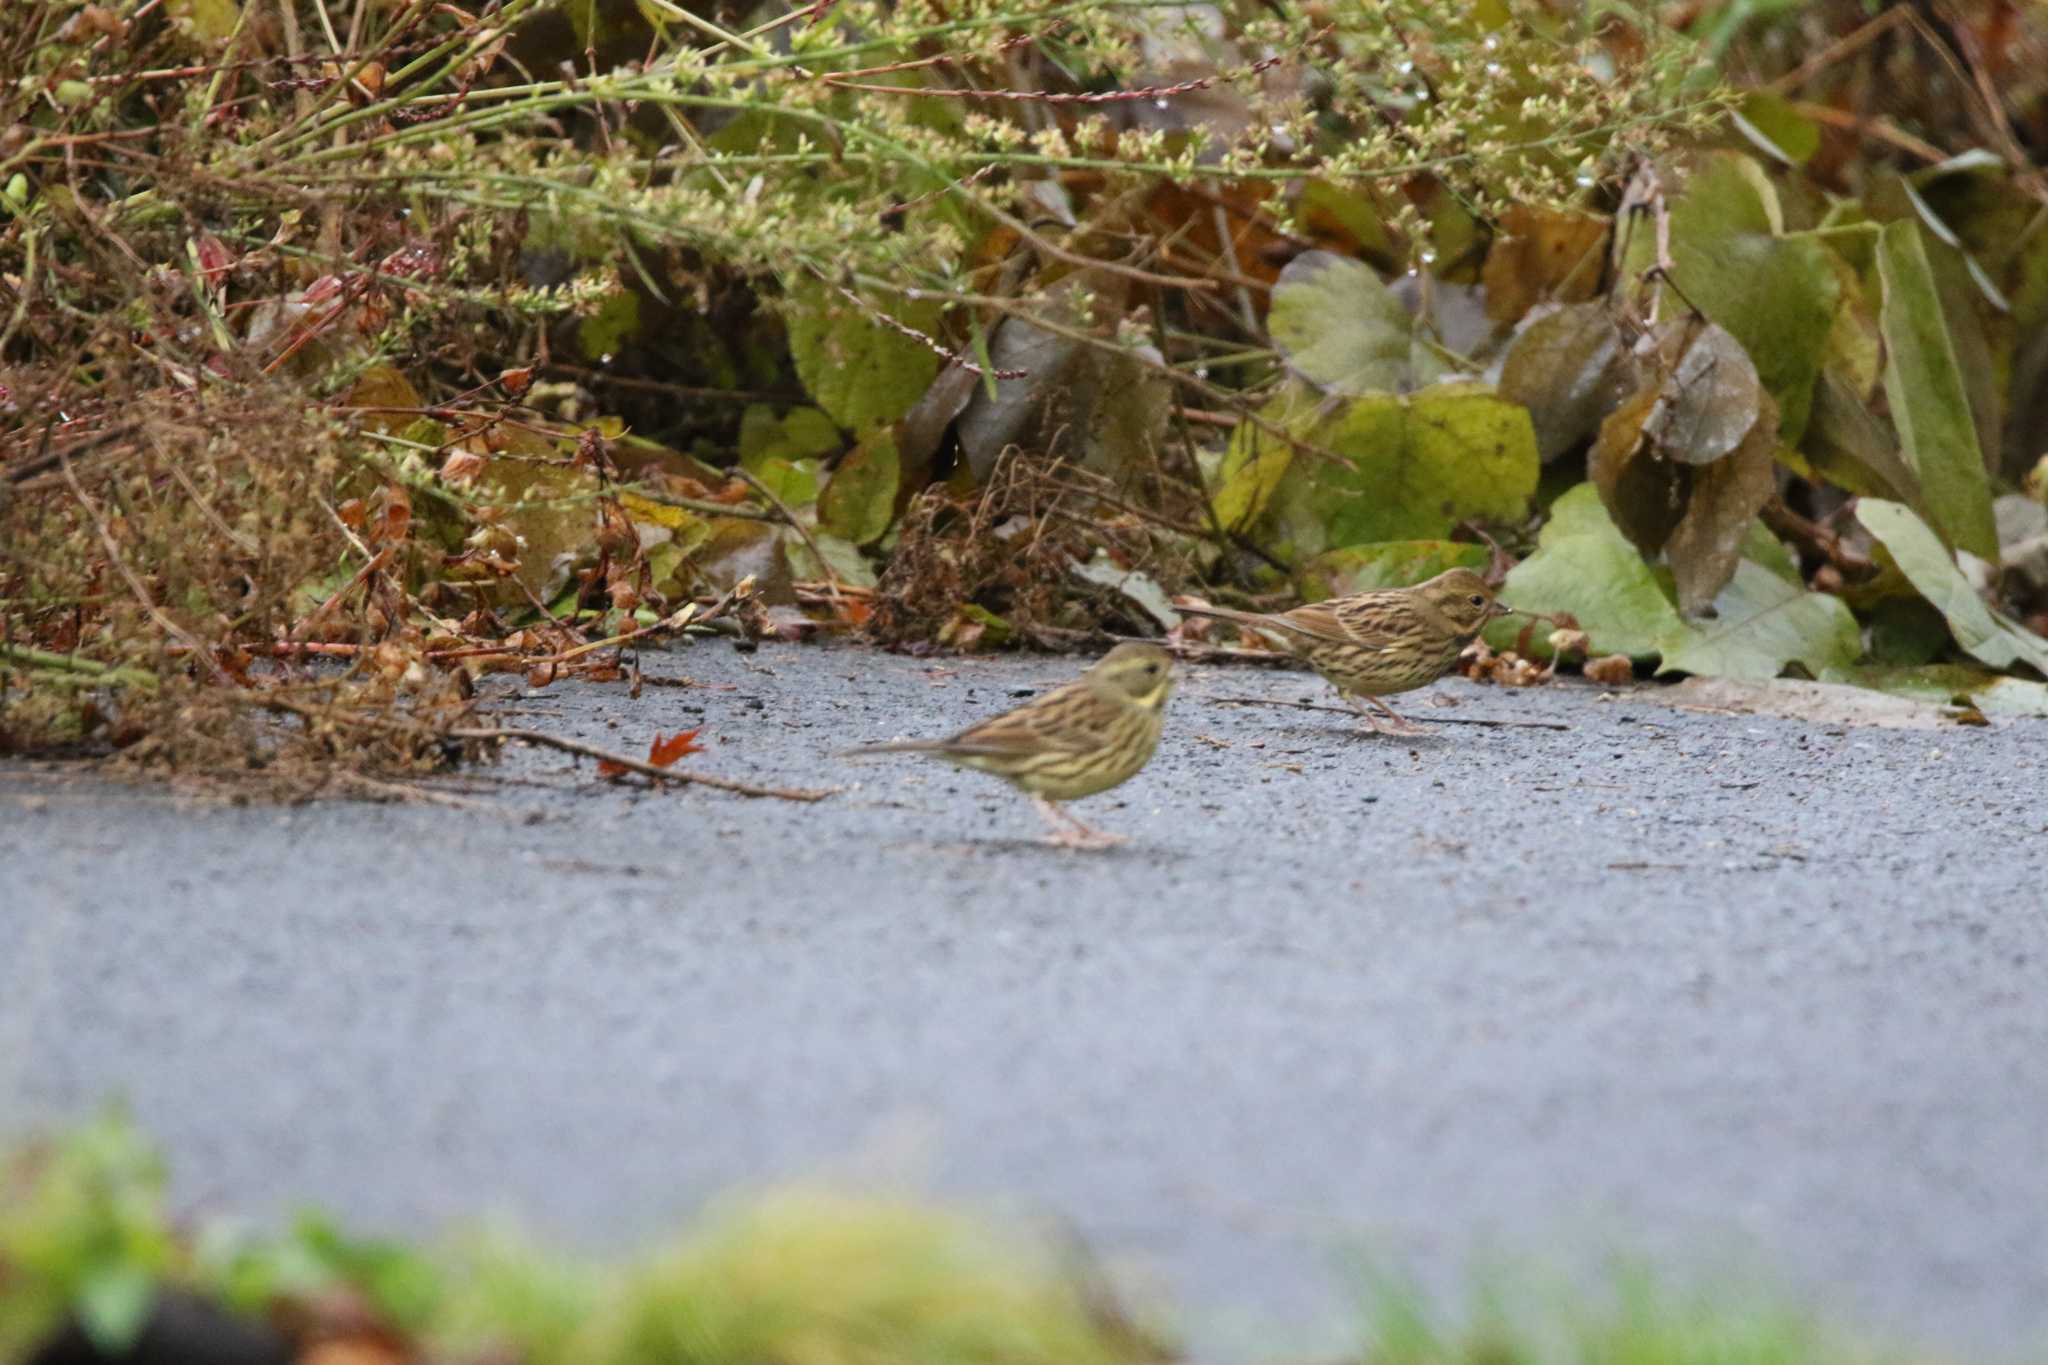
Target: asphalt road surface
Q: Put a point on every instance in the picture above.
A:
(1724, 991)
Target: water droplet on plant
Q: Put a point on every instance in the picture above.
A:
(1405, 67)
(1428, 256)
(1161, 103)
(605, 359)
(1495, 70)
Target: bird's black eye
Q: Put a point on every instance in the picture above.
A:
(1477, 600)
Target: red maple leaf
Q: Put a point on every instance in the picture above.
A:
(663, 752)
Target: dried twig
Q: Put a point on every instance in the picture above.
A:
(1826, 543)
(135, 584)
(1433, 720)
(687, 615)
(572, 746)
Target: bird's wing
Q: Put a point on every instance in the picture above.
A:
(1378, 618)
(1050, 723)
(1360, 620)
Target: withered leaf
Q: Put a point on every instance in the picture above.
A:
(1723, 498)
(1567, 366)
(1539, 255)
(663, 752)
(1643, 491)
(1610, 670)
(1710, 398)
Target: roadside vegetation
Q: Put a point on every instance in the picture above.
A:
(93, 1265)
(352, 351)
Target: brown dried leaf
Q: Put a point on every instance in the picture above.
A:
(663, 752)
(1613, 670)
(1724, 497)
(391, 516)
(1710, 397)
(462, 466)
(1643, 492)
(1566, 642)
(1539, 255)
(1567, 366)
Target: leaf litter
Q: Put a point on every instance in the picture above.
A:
(288, 468)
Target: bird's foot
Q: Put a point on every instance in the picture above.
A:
(1068, 832)
(1083, 837)
(1400, 725)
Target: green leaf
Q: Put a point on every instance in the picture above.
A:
(213, 21)
(1408, 469)
(1343, 330)
(860, 501)
(800, 434)
(1585, 566)
(1994, 694)
(584, 19)
(1776, 128)
(842, 558)
(1906, 631)
(113, 1305)
(1766, 551)
(1924, 385)
(861, 371)
(1389, 564)
(1850, 447)
(1350, 210)
(1928, 565)
(1256, 461)
(606, 331)
(1776, 295)
(1765, 623)
(793, 481)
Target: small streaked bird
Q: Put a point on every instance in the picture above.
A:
(1374, 644)
(1081, 738)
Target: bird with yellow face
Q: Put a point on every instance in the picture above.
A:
(1079, 739)
(1376, 644)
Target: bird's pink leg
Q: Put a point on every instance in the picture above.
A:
(1401, 726)
(1069, 832)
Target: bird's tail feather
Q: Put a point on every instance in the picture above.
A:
(1278, 626)
(895, 746)
(1243, 618)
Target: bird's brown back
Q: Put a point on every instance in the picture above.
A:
(1391, 639)
(1081, 738)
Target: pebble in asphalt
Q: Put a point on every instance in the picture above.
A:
(1720, 990)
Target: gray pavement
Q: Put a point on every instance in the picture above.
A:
(1726, 991)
